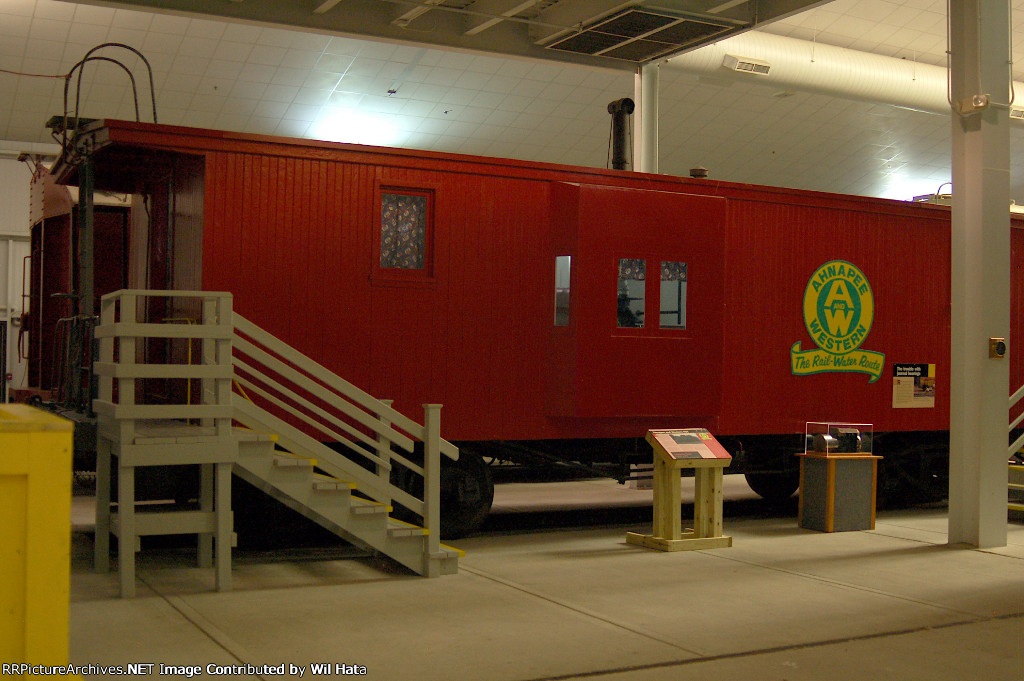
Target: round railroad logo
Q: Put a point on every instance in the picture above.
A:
(838, 307)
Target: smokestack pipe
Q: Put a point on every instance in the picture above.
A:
(620, 110)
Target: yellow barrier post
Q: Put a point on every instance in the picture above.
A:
(35, 535)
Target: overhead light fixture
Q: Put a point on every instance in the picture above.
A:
(746, 65)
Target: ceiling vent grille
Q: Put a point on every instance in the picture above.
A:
(1017, 113)
(639, 35)
(745, 65)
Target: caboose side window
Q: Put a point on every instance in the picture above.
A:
(404, 223)
(563, 264)
(631, 293)
(673, 295)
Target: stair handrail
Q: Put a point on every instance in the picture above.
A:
(388, 432)
(1019, 442)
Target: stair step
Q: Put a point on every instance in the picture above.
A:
(368, 507)
(324, 483)
(289, 460)
(399, 528)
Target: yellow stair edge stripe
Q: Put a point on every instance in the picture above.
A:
(462, 554)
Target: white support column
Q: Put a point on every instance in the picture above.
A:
(645, 135)
(980, 272)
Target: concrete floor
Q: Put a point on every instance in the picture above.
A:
(782, 604)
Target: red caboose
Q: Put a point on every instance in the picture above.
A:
(559, 312)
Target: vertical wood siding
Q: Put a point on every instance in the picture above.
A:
(290, 229)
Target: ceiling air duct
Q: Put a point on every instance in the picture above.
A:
(745, 65)
(638, 35)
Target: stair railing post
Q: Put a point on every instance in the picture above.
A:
(432, 486)
(384, 450)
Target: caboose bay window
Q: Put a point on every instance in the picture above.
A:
(563, 265)
(631, 293)
(404, 220)
(673, 295)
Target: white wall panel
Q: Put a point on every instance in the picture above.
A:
(15, 179)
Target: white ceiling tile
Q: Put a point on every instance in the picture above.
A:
(286, 76)
(167, 43)
(224, 71)
(231, 121)
(280, 93)
(302, 112)
(28, 8)
(257, 73)
(241, 33)
(198, 47)
(44, 8)
(345, 100)
(126, 18)
(48, 29)
(11, 46)
(207, 103)
(343, 46)
(236, 106)
(127, 36)
(200, 119)
(309, 41)
(358, 84)
(42, 49)
(189, 66)
(230, 50)
(487, 100)
(471, 80)
(434, 126)
(458, 97)
(376, 51)
(90, 14)
(333, 63)
(206, 28)
(270, 109)
(417, 108)
(169, 23)
(514, 102)
(291, 128)
(262, 125)
(266, 54)
(300, 59)
(12, 26)
(379, 104)
(321, 80)
(362, 66)
(243, 90)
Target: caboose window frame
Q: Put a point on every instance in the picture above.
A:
(654, 291)
(399, 275)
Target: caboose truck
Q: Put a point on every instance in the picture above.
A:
(557, 312)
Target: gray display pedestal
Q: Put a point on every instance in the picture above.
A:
(837, 493)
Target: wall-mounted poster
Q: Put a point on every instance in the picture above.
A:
(913, 386)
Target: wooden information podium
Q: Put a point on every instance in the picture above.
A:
(675, 450)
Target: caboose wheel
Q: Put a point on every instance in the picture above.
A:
(467, 491)
(466, 494)
(774, 487)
